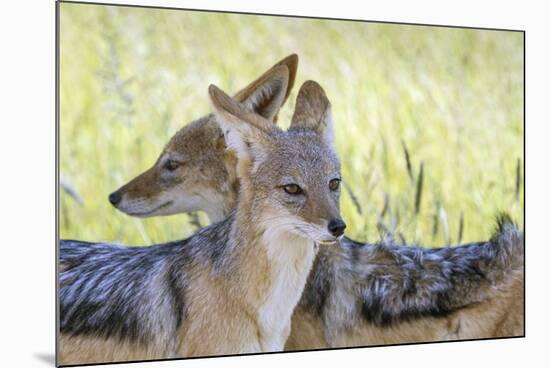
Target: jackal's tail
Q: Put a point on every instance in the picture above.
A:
(506, 246)
(402, 282)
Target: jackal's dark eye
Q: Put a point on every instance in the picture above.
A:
(334, 184)
(293, 189)
(171, 165)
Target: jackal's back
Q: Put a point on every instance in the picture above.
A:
(389, 289)
(134, 294)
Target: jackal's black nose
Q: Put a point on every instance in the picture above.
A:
(115, 198)
(336, 227)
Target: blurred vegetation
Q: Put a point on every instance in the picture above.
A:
(429, 121)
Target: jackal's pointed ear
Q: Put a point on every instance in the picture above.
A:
(313, 111)
(267, 94)
(246, 133)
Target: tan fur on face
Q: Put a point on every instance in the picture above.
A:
(201, 181)
(206, 177)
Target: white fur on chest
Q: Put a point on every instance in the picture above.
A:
(290, 258)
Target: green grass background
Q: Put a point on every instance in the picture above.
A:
(130, 78)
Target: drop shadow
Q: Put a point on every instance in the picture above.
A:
(46, 358)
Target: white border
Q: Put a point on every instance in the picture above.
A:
(27, 181)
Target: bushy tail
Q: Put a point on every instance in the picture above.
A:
(478, 269)
(508, 241)
(396, 282)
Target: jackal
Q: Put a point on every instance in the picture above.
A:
(190, 173)
(232, 287)
(350, 276)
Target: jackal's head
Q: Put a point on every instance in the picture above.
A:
(195, 171)
(289, 180)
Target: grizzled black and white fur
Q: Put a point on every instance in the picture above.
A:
(374, 294)
(357, 294)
